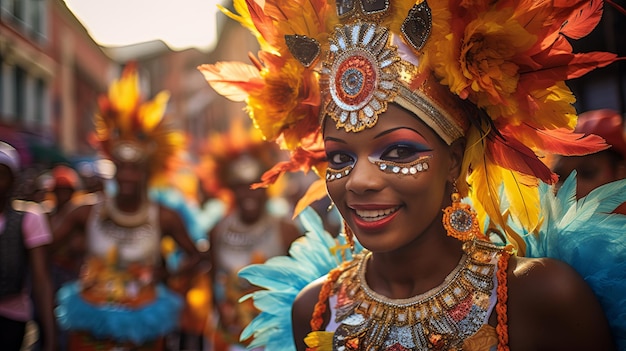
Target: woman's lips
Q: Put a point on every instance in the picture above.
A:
(374, 219)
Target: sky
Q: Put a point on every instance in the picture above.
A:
(181, 24)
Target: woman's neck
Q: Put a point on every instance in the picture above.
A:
(130, 203)
(414, 269)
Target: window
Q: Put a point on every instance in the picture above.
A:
(28, 16)
(19, 102)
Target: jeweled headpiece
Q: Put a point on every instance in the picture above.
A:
(129, 128)
(490, 71)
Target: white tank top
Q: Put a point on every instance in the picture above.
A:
(139, 244)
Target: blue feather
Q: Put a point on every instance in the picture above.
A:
(282, 278)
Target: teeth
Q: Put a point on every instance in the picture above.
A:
(374, 215)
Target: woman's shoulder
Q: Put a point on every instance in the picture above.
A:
(532, 271)
(303, 309)
(551, 306)
(544, 281)
(305, 301)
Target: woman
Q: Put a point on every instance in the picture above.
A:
(120, 299)
(399, 220)
(252, 231)
(420, 105)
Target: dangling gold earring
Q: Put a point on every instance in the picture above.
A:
(330, 207)
(459, 219)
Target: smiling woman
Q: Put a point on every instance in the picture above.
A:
(432, 116)
(190, 25)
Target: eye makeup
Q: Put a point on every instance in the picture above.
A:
(402, 168)
(335, 174)
(340, 163)
(401, 151)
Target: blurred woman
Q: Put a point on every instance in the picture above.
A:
(119, 300)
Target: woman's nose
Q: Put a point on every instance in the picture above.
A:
(364, 177)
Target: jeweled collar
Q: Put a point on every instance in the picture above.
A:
(441, 318)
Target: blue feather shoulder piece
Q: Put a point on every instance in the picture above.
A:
(282, 278)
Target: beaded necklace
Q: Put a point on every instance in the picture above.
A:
(440, 319)
(126, 219)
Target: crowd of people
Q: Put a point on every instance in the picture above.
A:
(117, 257)
(478, 209)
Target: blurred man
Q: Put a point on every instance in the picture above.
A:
(602, 167)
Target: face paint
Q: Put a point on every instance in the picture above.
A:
(404, 152)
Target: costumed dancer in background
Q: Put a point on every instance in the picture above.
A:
(416, 106)
(252, 231)
(24, 235)
(119, 300)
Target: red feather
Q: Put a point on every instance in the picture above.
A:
(510, 153)
(561, 66)
(583, 18)
(300, 160)
(560, 141)
(262, 22)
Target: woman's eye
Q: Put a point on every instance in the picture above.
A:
(400, 153)
(338, 160)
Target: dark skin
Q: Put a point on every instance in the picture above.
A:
(73, 247)
(550, 307)
(42, 291)
(251, 205)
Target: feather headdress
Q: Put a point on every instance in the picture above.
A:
(493, 72)
(129, 128)
(238, 156)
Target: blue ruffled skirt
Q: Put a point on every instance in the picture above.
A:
(123, 324)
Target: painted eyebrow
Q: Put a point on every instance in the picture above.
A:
(335, 140)
(379, 135)
(383, 133)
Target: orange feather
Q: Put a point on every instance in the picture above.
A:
(583, 17)
(234, 80)
(263, 23)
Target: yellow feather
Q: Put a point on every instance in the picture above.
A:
(320, 340)
(522, 193)
(124, 95)
(151, 112)
(243, 16)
